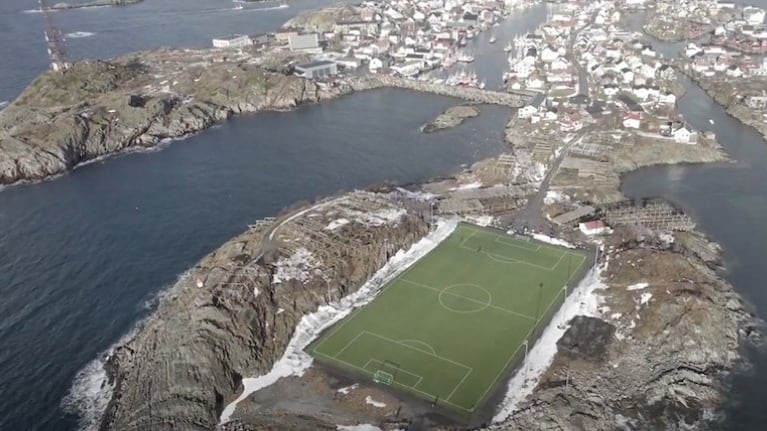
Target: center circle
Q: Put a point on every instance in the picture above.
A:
(465, 298)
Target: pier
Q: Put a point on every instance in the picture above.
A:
(470, 94)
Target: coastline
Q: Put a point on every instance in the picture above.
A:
(48, 133)
(725, 96)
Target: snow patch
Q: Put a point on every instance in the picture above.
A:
(345, 390)
(295, 267)
(335, 224)
(667, 238)
(645, 298)
(584, 300)
(469, 186)
(615, 316)
(362, 427)
(484, 220)
(637, 286)
(256, 292)
(374, 403)
(295, 361)
(280, 310)
(421, 196)
(554, 241)
(553, 196)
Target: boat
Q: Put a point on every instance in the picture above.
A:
(492, 38)
(711, 121)
(238, 5)
(464, 57)
(509, 46)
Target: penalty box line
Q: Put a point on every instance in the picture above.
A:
(426, 395)
(467, 368)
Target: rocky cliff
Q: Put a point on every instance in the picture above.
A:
(660, 356)
(98, 108)
(235, 311)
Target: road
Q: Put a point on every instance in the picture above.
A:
(531, 216)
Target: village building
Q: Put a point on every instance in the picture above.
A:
(317, 70)
(595, 227)
(233, 41)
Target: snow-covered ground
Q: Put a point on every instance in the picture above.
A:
(550, 240)
(469, 186)
(553, 196)
(374, 403)
(583, 300)
(347, 389)
(637, 286)
(297, 266)
(484, 220)
(295, 361)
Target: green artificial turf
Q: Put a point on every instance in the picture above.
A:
(449, 327)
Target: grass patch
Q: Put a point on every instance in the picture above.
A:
(449, 328)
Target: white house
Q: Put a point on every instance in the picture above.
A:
(526, 112)
(233, 41)
(668, 98)
(595, 227)
(683, 135)
(548, 55)
(632, 120)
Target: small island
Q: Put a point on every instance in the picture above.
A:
(452, 117)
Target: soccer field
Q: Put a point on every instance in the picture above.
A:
(449, 327)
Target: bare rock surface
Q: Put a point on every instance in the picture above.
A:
(233, 314)
(99, 107)
(677, 328)
(452, 117)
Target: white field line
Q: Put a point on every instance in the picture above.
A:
(501, 235)
(426, 286)
(427, 395)
(347, 345)
(417, 342)
(521, 262)
(418, 350)
(514, 354)
(403, 370)
(506, 242)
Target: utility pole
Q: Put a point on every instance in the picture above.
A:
(538, 309)
(524, 364)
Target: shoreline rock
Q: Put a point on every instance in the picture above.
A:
(98, 108)
(233, 314)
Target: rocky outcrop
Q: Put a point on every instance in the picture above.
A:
(452, 117)
(660, 356)
(233, 314)
(98, 108)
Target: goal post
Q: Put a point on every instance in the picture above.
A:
(387, 373)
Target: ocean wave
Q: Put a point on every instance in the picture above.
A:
(3, 103)
(32, 11)
(78, 34)
(90, 392)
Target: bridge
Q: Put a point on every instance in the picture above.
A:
(470, 94)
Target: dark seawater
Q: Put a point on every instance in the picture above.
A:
(83, 256)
